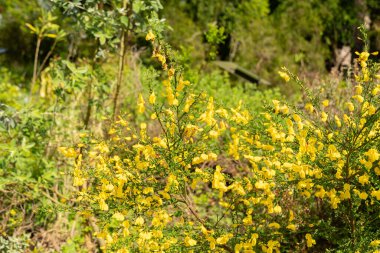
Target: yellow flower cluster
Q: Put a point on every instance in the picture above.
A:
(217, 179)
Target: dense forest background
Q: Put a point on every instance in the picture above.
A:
(262, 36)
(71, 71)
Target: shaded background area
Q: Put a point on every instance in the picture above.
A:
(260, 35)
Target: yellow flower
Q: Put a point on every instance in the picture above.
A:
(277, 209)
(118, 216)
(145, 235)
(309, 240)
(291, 215)
(296, 118)
(238, 188)
(325, 103)
(284, 76)
(148, 190)
(224, 239)
(376, 194)
(171, 72)
(284, 109)
(274, 225)
(292, 227)
(170, 96)
(272, 246)
(219, 181)
(150, 36)
(261, 185)
(102, 205)
(324, 116)
(332, 153)
(67, 152)
(189, 102)
(346, 193)
(358, 89)
(139, 221)
(350, 106)
(309, 107)
(248, 220)
(372, 155)
(182, 84)
(205, 231)
(359, 98)
(189, 242)
(363, 56)
(363, 195)
(337, 121)
(364, 179)
(152, 98)
(376, 90)
(208, 115)
(334, 200)
(371, 110)
(141, 104)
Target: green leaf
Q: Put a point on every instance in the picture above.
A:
(102, 38)
(156, 5)
(82, 70)
(71, 66)
(51, 35)
(32, 28)
(139, 6)
(124, 20)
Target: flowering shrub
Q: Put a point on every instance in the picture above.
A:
(195, 177)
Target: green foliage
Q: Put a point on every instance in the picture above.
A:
(13, 244)
(104, 20)
(15, 36)
(214, 36)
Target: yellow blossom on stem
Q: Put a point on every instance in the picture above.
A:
(219, 181)
(102, 205)
(272, 246)
(337, 121)
(309, 107)
(141, 104)
(376, 194)
(224, 239)
(152, 98)
(150, 36)
(139, 221)
(292, 227)
(350, 106)
(171, 72)
(324, 116)
(181, 84)
(284, 76)
(189, 242)
(358, 98)
(118, 216)
(371, 110)
(372, 155)
(364, 179)
(309, 240)
(274, 225)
